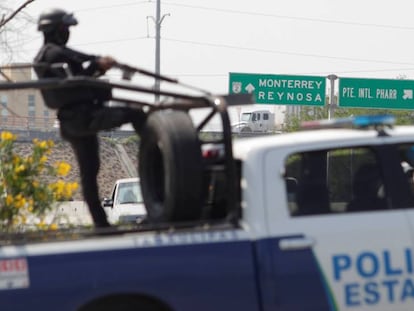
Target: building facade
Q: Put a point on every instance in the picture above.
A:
(24, 109)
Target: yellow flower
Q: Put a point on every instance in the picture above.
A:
(43, 144)
(9, 199)
(69, 189)
(30, 204)
(74, 186)
(19, 168)
(19, 201)
(58, 188)
(7, 136)
(16, 159)
(34, 194)
(62, 168)
(41, 224)
(43, 159)
(53, 227)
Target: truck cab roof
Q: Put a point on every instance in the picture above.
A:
(321, 138)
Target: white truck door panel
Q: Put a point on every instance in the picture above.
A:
(336, 259)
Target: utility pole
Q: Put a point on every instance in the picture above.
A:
(331, 109)
(158, 21)
(332, 103)
(157, 47)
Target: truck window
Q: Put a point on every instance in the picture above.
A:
(406, 153)
(129, 192)
(246, 116)
(334, 181)
(265, 116)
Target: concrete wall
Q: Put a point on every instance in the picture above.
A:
(70, 213)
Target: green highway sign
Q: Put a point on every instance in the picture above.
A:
(376, 93)
(280, 89)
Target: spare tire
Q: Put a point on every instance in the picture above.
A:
(170, 167)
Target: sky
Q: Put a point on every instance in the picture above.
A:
(203, 41)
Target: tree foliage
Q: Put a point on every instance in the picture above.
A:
(13, 23)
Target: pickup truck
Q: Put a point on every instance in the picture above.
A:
(320, 219)
(125, 205)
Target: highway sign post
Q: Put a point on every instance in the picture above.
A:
(280, 89)
(376, 93)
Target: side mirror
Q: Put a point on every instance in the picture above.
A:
(108, 203)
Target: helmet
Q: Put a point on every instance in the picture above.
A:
(49, 20)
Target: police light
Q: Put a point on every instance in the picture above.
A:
(350, 122)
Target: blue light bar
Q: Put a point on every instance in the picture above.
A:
(375, 120)
(349, 122)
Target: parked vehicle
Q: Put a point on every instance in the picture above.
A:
(256, 121)
(125, 205)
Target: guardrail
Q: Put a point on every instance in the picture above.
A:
(19, 122)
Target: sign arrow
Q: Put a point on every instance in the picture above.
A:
(281, 89)
(249, 88)
(408, 94)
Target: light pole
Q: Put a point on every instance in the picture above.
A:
(157, 21)
(332, 103)
(331, 108)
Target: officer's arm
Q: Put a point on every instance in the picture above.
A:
(105, 63)
(98, 66)
(87, 65)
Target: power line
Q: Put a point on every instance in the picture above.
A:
(320, 73)
(217, 45)
(309, 19)
(113, 6)
(245, 48)
(286, 52)
(218, 75)
(360, 71)
(113, 41)
(227, 46)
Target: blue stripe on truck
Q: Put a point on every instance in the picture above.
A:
(208, 276)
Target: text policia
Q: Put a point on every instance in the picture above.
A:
(370, 278)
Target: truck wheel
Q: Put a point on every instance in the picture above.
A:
(124, 303)
(170, 167)
(246, 130)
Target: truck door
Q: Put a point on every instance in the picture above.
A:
(335, 240)
(256, 122)
(265, 122)
(406, 152)
(261, 121)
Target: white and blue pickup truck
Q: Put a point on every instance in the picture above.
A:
(325, 221)
(320, 219)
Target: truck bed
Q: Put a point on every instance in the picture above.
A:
(88, 232)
